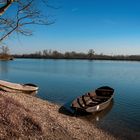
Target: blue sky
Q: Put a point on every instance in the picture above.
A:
(107, 26)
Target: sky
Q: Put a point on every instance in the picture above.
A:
(107, 26)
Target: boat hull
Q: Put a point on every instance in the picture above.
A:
(13, 87)
(95, 101)
(99, 107)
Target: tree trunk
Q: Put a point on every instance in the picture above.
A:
(5, 7)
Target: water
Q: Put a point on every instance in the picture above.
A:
(63, 80)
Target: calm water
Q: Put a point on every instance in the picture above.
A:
(62, 80)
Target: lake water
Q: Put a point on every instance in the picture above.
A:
(63, 80)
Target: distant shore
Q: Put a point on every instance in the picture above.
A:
(90, 55)
(96, 57)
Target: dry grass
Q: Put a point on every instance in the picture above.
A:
(16, 121)
(26, 117)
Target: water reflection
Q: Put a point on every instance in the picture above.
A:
(3, 67)
(90, 68)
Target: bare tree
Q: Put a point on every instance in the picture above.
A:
(24, 12)
(45, 53)
(91, 53)
(4, 50)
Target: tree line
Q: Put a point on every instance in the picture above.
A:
(90, 55)
(54, 54)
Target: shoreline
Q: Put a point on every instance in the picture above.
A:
(53, 124)
(100, 59)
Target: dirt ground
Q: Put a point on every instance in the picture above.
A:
(26, 117)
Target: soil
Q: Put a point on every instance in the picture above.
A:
(25, 117)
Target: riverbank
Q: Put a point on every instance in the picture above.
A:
(6, 58)
(26, 117)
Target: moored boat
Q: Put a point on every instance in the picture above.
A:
(14, 87)
(94, 101)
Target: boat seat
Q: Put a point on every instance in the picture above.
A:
(92, 104)
(94, 98)
(80, 103)
(88, 102)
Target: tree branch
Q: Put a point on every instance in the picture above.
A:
(6, 35)
(5, 7)
(26, 13)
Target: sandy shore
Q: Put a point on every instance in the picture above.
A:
(26, 117)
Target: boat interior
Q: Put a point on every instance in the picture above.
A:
(91, 99)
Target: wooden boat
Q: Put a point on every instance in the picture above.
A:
(94, 101)
(14, 87)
